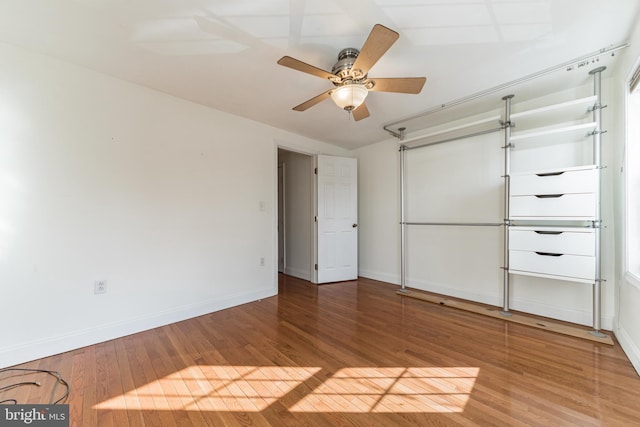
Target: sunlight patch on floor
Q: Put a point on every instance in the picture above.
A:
(392, 390)
(214, 388)
(349, 390)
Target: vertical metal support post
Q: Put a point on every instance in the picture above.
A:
(597, 223)
(403, 223)
(507, 172)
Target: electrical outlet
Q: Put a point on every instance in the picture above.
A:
(261, 261)
(99, 286)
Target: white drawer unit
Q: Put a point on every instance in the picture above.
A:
(560, 194)
(554, 206)
(566, 253)
(569, 241)
(551, 264)
(561, 181)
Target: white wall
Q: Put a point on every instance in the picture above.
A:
(461, 181)
(104, 180)
(627, 326)
(298, 213)
(378, 212)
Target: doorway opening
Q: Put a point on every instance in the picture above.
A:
(296, 198)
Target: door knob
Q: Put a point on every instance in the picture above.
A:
(354, 225)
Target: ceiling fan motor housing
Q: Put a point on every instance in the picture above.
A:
(346, 59)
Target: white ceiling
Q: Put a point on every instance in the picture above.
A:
(223, 53)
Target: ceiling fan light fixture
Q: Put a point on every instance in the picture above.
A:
(350, 75)
(349, 96)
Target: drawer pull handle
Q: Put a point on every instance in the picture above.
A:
(550, 174)
(548, 196)
(548, 254)
(555, 233)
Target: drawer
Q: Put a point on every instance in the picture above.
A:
(559, 182)
(563, 265)
(562, 206)
(554, 240)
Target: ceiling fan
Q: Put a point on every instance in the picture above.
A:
(349, 75)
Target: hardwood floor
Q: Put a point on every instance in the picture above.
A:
(345, 354)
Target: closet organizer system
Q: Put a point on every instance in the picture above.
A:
(551, 217)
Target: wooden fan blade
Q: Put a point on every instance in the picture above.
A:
(379, 41)
(296, 64)
(313, 101)
(400, 84)
(362, 112)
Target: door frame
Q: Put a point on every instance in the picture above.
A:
(313, 274)
(281, 218)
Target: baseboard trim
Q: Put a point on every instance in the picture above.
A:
(10, 356)
(381, 277)
(298, 272)
(629, 347)
(522, 319)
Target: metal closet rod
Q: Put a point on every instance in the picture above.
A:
(462, 224)
(455, 138)
(498, 88)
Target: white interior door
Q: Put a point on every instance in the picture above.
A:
(337, 219)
